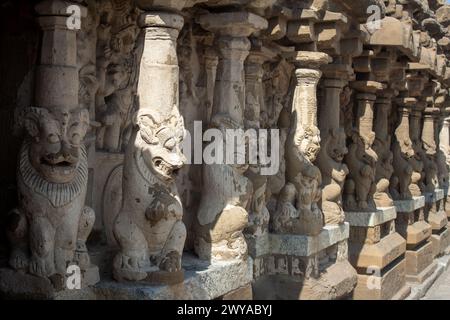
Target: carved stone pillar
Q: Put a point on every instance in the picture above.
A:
(303, 190)
(402, 186)
(149, 227)
(254, 110)
(382, 147)
(333, 146)
(49, 229)
(429, 144)
(361, 159)
(417, 165)
(222, 215)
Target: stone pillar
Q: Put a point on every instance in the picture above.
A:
(434, 209)
(51, 225)
(382, 147)
(402, 186)
(149, 227)
(254, 110)
(361, 158)
(429, 144)
(222, 215)
(417, 176)
(302, 147)
(333, 146)
(297, 221)
(211, 62)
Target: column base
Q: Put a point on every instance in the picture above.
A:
(202, 281)
(440, 241)
(18, 285)
(297, 267)
(419, 263)
(337, 282)
(391, 285)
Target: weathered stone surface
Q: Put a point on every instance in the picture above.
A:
(377, 255)
(383, 287)
(201, 282)
(305, 246)
(419, 260)
(372, 218)
(409, 205)
(417, 232)
(337, 282)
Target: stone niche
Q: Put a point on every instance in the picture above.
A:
(102, 125)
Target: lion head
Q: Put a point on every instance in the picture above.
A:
(159, 143)
(56, 139)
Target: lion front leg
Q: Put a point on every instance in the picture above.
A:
(132, 261)
(87, 220)
(17, 233)
(173, 249)
(42, 243)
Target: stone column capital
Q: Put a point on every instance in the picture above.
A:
(232, 24)
(308, 59)
(160, 19)
(147, 5)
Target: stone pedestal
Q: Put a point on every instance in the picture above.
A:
(437, 218)
(377, 252)
(411, 225)
(298, 267)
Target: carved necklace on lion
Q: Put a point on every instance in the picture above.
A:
(59, 194)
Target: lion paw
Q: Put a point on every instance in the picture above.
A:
(171, 262)
(18, 260)
(38, 267)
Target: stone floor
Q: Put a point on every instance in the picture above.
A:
(440, 290)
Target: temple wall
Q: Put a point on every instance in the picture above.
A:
(98, 170)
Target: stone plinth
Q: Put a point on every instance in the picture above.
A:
(202, 281)
(377, 253)
(437, 195)
(305, 267)
(370, 218)
(390, 285)
(305, 246)
(409, 205)
(410, 223)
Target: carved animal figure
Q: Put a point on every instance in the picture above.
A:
(149, 228)
(223, 215)
(403, 152)
(49, 229)
(334, 173)
(383, 172)
(302, 148)
(360, 185)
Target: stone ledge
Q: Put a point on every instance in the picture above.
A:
(377, 255)
(304, 246)
(370, 218)
(420, 290)
(437, 195)
(406, 206)
(203, 281)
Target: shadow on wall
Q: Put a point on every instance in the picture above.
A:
(19, 35)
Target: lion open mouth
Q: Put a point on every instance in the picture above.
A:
(165, 169)
(64, 166)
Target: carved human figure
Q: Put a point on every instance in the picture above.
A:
(49, 229)
(149, 228)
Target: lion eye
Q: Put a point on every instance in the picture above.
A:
(76, 139)
(53, 138)
(170, 144)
